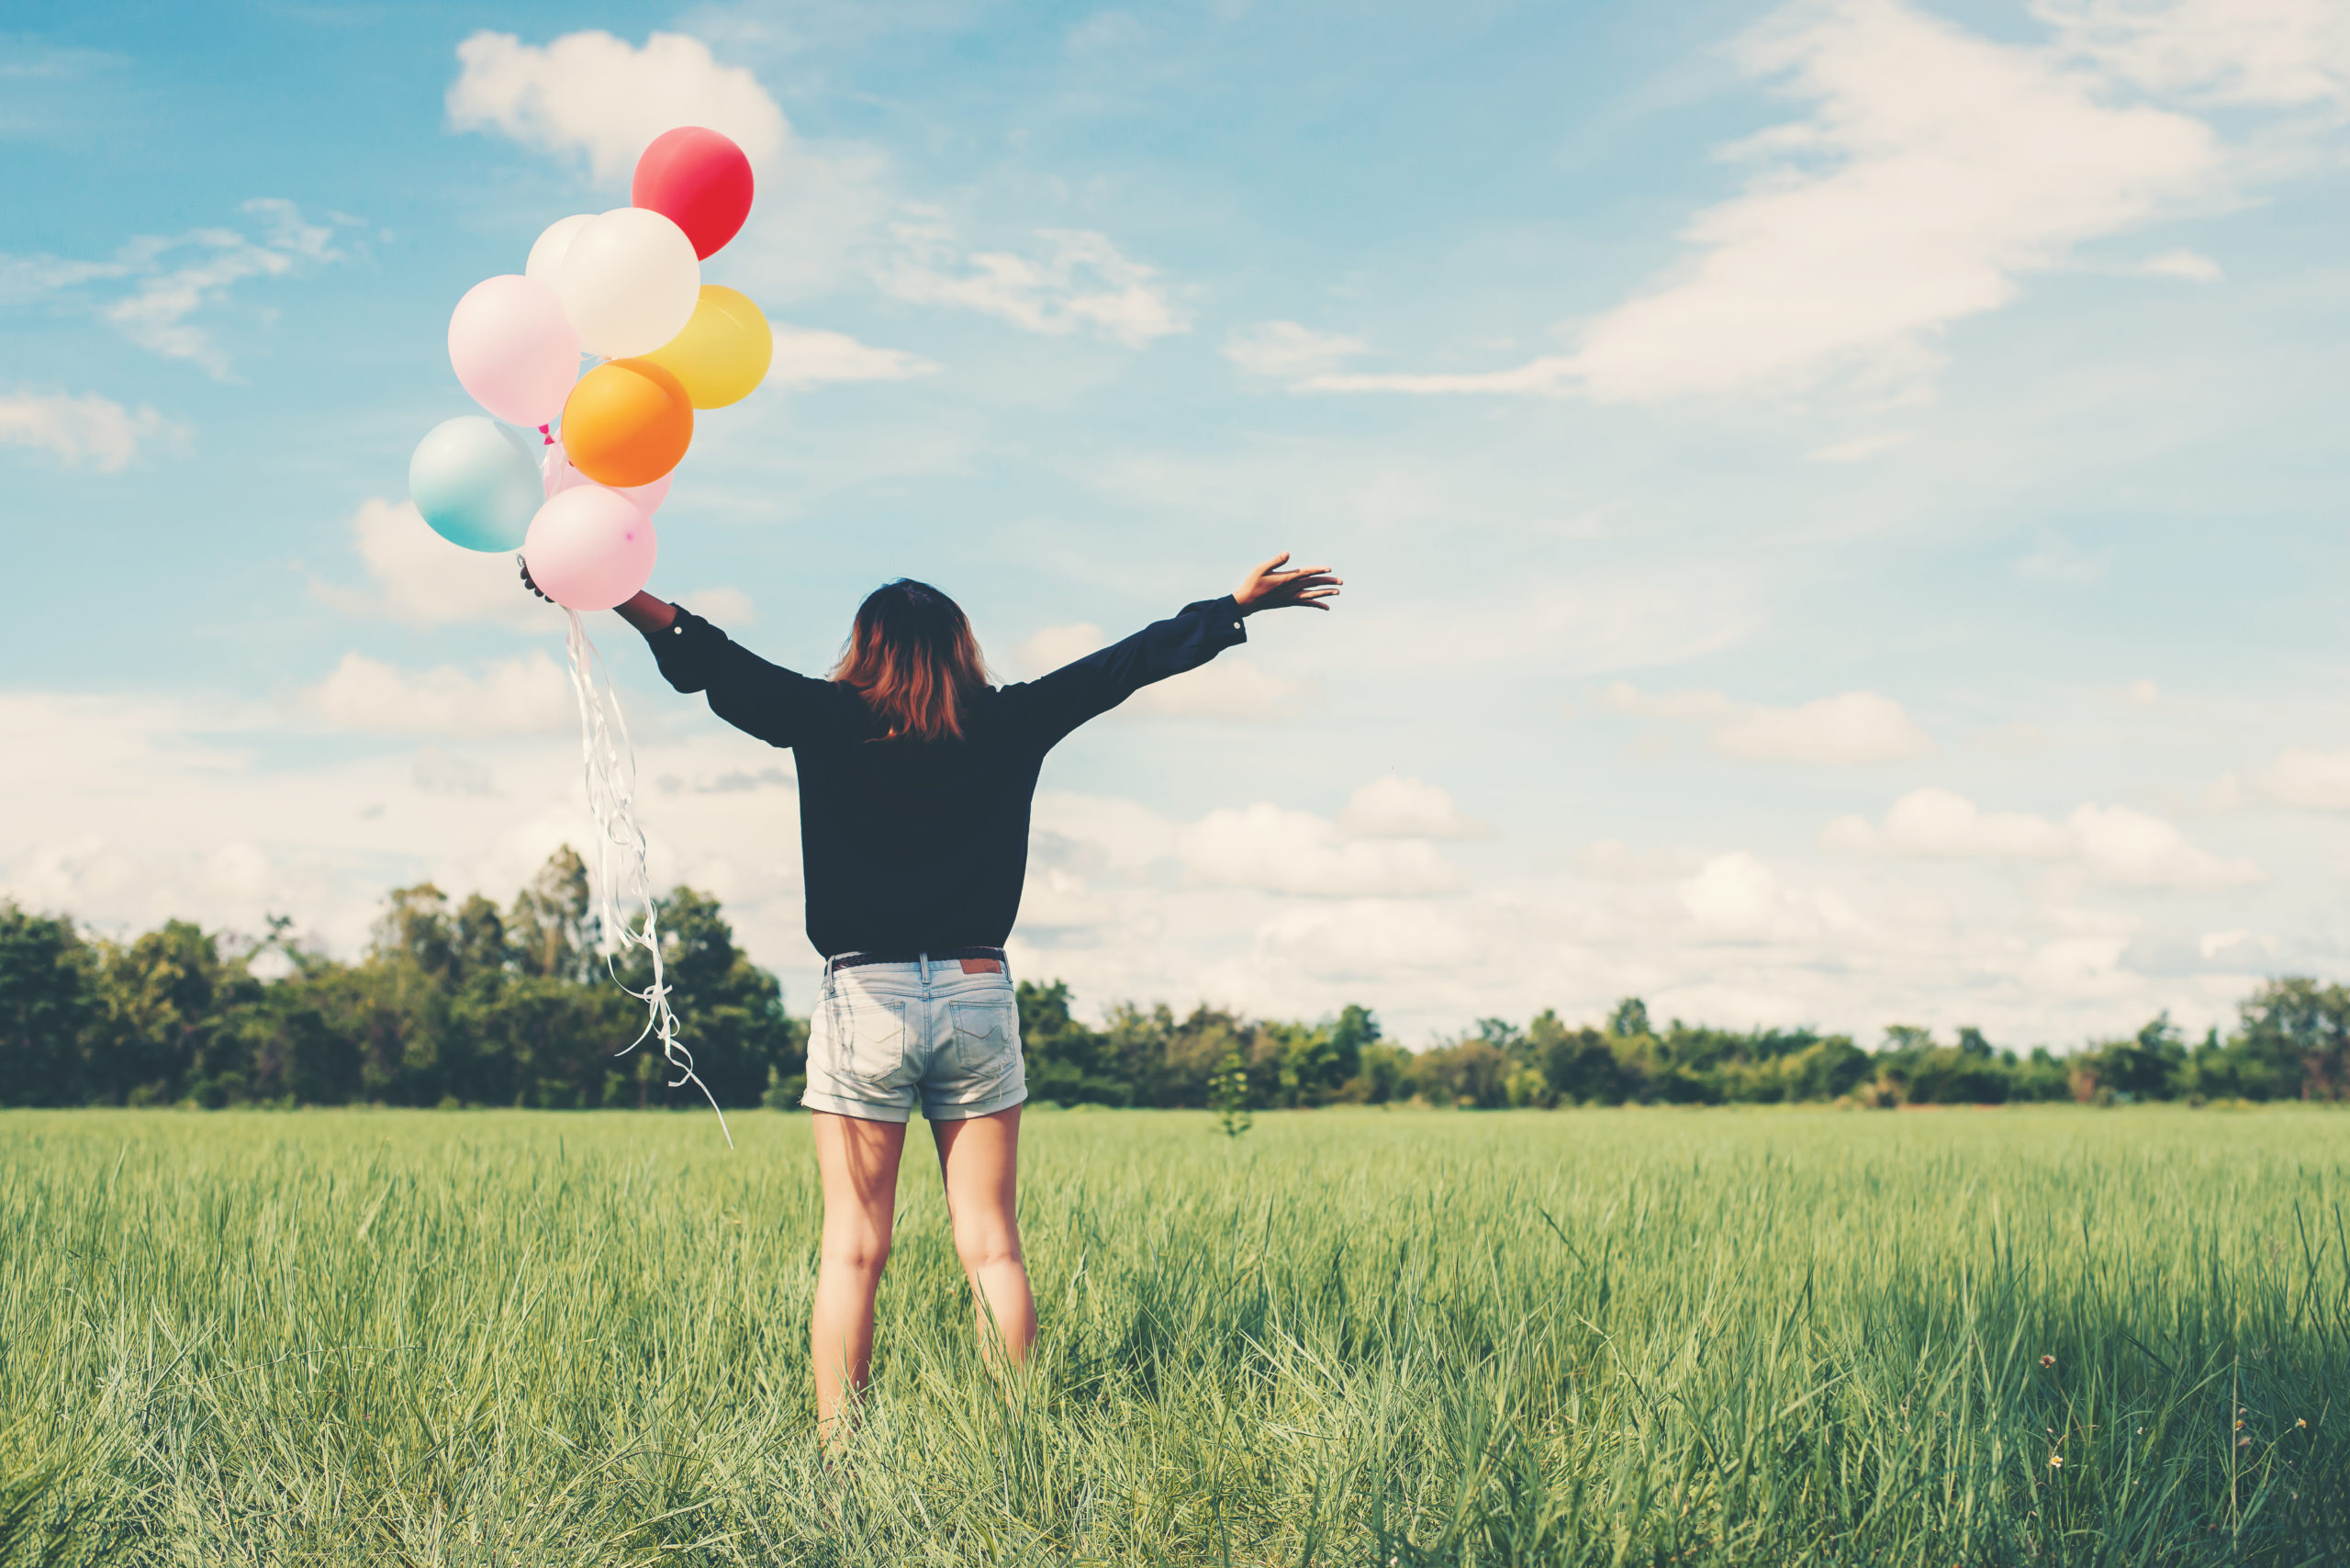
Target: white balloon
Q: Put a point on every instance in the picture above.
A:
(629, 282)
(546, 264)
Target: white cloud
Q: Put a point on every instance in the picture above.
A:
(1225, 688)
(2135, 849)
(1124, 835)
(2275, 52)
(2142, 693)
(1942, 824)
(422, 580)
(1284, 351)
(1736, 896)
(1282, 851)
(1854, 729)
(2308, 779)
(601, 99)
(438, 772)
(1933, 170)
(1396, 807)
(171, 278)
(2188, 266)
(1361, 940)
(1082, 282)
(531, 695)
(84, 429)
(2248, 948)
(810, 356)
(2116, 843)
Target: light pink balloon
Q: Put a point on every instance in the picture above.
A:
(514, 349)
(589, 549)
(557, 474)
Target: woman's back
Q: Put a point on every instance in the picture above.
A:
(915, 844)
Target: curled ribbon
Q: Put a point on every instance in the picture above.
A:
(609, 762)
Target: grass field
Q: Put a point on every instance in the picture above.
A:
(1345, 1338)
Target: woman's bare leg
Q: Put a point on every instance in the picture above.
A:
(860, 1162)
(980, 1159)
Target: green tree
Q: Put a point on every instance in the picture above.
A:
(2295, 1042)
(730, 1010)
(50, 1008)
(1065, 1061)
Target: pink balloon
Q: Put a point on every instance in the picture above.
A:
(514, 349)
(589, 549)
(557, 474)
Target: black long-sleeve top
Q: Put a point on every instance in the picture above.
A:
(918, 847)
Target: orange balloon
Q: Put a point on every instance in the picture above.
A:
(627, 422)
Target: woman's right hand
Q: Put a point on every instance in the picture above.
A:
(1267, 587)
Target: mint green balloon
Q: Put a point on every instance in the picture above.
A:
(476, 483)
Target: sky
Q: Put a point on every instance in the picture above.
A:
(1841, 505)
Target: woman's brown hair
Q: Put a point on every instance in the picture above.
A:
(913, 659)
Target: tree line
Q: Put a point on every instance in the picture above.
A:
(468, 1004)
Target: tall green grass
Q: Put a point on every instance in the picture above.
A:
(1346, 1337)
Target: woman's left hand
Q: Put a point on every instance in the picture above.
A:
(1269, 588)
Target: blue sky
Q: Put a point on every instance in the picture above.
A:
(1841, 504)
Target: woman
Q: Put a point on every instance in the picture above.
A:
(915, 781)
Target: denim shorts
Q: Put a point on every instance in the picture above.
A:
(886, 1037)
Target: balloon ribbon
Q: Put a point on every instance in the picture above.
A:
(609, 761)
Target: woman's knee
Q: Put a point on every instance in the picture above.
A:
(983, 1246)
(860, 1252)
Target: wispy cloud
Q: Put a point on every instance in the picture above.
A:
(162, 282)
(84, 429)
(2276, 53)
(1932, 171)
(812, 356)
(1076, 280)
(1854, 729)
(1286, 351)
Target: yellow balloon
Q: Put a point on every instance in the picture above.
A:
(723, 351)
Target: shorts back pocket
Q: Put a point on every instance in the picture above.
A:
(869, 1037)
(987, 1038)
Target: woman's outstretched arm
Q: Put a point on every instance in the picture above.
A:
(1185, 641)
(755, 697)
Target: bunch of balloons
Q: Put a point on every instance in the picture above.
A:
(625, 286)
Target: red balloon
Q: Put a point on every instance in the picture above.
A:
(698, 181)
